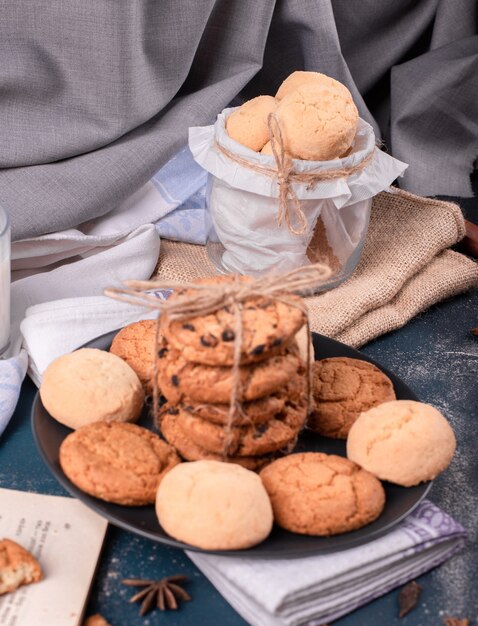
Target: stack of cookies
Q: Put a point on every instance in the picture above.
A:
(195, 375)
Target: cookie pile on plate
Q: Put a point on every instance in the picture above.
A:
(195, 375)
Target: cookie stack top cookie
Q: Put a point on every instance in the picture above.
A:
(268, 326)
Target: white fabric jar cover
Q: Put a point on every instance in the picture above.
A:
(243, 203)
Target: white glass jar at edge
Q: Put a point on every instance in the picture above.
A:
(4, 281)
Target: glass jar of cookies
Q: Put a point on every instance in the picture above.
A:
(291, 180)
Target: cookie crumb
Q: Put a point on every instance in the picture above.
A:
(17, 567)
(455, 621)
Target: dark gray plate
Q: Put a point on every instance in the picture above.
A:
(400, 501)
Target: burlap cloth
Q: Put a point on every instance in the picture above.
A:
(405, 268)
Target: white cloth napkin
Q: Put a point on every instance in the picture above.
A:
(319, 589)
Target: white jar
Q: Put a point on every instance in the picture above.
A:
(244, 235)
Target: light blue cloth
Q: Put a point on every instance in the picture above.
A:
(12, 373)
(187, 222)
(182, 184)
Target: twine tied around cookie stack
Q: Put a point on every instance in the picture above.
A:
(285, 175)
(208, 298)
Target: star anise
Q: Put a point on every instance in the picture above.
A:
(163, 594)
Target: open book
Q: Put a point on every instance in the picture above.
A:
(66, 538)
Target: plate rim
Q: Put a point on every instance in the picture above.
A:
(96, 504)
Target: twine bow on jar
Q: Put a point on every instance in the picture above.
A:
(289, 209)
(199, 299)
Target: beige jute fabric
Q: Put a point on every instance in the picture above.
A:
(405, 268)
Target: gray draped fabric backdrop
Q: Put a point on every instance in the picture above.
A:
(95, 95)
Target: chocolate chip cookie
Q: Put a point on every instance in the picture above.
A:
(268, 326)
(189, 450)
(342, 388)
(181, 380)
(255, 411)
(279, 433)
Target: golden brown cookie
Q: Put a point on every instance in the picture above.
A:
(279, 433)
(136, 344)
(268, 326)
(96, 620)
(121, 463)
(91, 385)
(248, 124)
(214, 506)
(174, 435)
(255, 411)
(180, 380)
(319, 494)
(342, 388)
(17, 567)
(318, 121)
(404, 442)
(298, 78)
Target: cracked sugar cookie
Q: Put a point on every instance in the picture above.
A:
(248, 124)
(116, 462)
(342, 388)
(318, 120)
(404, 442)
(136, 344)
(322, 494)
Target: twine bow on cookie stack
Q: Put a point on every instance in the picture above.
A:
(196, 299)
(289, 206)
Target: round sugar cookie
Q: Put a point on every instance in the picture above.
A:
(342, 388)
(318, 121)
(121, 463)
(320, 494)
(136, 345)
(214, 506)
(91, 385)
(404, 442)
(248, 124)
(298, 78)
